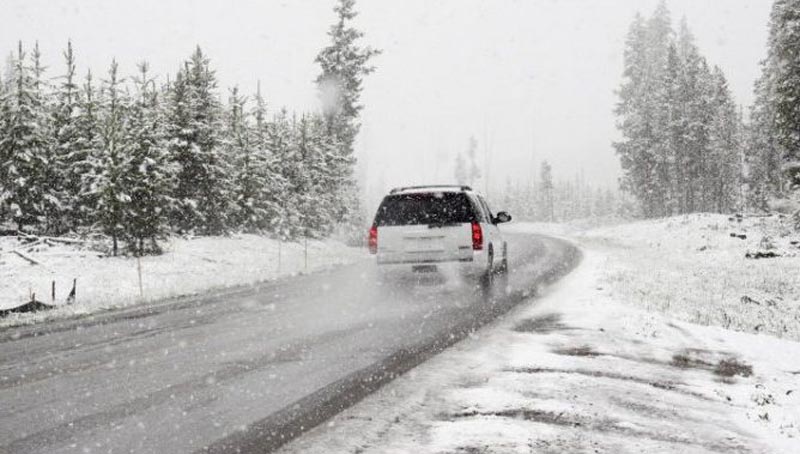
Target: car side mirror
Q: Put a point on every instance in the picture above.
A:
(502, 217)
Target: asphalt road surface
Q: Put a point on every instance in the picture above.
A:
(246, 370)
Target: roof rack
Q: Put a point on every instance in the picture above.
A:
(431, 186)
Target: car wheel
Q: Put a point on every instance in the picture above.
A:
(488, 275)
(503, 268)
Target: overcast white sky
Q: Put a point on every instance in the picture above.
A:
(533, 79)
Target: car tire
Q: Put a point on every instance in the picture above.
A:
(487, 277)
(503, 268)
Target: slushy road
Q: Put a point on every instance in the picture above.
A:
(247, 370)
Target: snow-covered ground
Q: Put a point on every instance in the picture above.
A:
(188, 266)
(598, 364)
(696, 268)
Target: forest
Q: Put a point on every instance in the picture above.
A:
(138, 157)
(687, 146)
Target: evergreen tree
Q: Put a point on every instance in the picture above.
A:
(82, 164)
(635, 119)
(546, 192)
(203, 187)
(149, 171)
(110, 178)
(281, 142)
(474, 171)
(24, 146)
(724, 167)
(344, 63)
(784, 50)
(268, 185)
(763, 159)
(773, 138)
(313, 178)
(70, 154)
(49, 176)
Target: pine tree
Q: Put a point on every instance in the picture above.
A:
(148, 170)
(24, 145)
(343, 64)
(82, 165)
(49, 178)
(546, 192)
(203, 188)
(763, 159)
(110, 180)
(70, 155)
(635, 122)
(774, 131)
(268, 185)
(724, 168)
(784, 48)
(282, 144)
(313, 198)
(474, 171)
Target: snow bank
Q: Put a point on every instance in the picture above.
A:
(188, 266)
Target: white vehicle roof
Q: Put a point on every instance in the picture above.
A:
(430, 188)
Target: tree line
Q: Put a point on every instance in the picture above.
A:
(686, 146)
(137, 159)
(548, 199)
(682, 133)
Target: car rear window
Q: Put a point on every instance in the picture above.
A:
(425, 208)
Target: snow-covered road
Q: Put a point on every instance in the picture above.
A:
(246, 369)
(577, 371)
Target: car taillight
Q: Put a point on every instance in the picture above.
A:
(477, 237)
(373, 239)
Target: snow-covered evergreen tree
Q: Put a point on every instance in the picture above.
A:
(70, 154)
(281, 142)
(202, 194)
(149, 171)
(546, 194)
(474, 173)
(723, 163)
(111, 183)
(24, 145)
(50, 173)
(344, 63)
(635, 149)
(267, 186)
(82, 165)
(773, 147)
(784, 49)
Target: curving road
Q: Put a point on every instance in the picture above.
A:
(242, 371)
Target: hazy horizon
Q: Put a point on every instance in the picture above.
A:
(530, 80)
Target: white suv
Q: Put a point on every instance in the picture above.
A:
(423, 228)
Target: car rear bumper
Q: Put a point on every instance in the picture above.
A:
(474, 265)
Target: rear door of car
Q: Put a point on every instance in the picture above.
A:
(425, 227)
